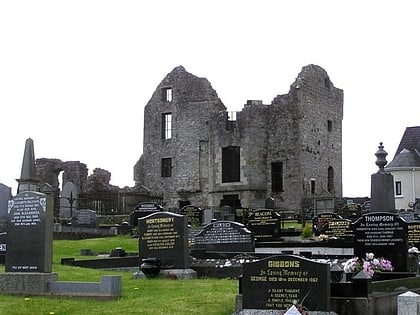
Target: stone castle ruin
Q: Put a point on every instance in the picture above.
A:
(196, 152)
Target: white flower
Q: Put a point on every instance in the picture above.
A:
(370, 256)
(375, 262)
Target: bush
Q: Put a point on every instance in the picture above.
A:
(307, 232)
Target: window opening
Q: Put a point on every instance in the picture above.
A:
(398, 188)
(277, 176)
(330, 185)
(166, 126)
(313, 181)
(166, 167)
(167, 94)
(329, 125)
(230, 164)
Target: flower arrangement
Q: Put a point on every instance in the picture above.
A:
(369, 265)
(323, 237)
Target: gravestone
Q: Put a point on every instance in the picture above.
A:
(320, 222)
(341, 229)
(241, 215)
(5, 196)
(194, 215)
(224, 236)
(385, 235)
(85, 218)
(2, 247)
(382, 185)
(29, 233)
(414, 234)
(277, 282)
(407, 215)
(265, 223)
(142, 210)
(68, 200)
(164, 235)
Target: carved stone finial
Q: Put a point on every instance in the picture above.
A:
(381, 157)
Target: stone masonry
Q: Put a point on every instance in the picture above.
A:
(290, 150)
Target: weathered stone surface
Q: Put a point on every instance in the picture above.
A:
(302, 130)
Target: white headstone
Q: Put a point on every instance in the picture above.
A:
(293, 311)
(408, 303)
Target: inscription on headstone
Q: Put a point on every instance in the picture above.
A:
(320, 222)
(29, 233)
(277, 282)
(340, 228)
(164, 235)
(225, 236)
(385, 235)
(265, 223)
(85, 218)
(194, 215)
(414, 234)
(142, 210)
(2, 246)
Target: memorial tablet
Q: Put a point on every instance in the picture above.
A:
(320, 222)
(277, 282)
(225, 236)
(265, 223)
(385, 235)
(164, 235)
(414, 234)
(194, 215)
(29, 233)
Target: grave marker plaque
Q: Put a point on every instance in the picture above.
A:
(142, 210)
(194, 215)
(385, 235)
(85, 218)
(265, 223)
(320, 222)
(340, 228)
(225, 236)
(29, 233)
(277, 282)
(414, 234)
(164, 235)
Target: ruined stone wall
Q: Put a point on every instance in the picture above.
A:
(293, 129)
(193, 102)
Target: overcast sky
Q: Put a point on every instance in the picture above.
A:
(75, 75)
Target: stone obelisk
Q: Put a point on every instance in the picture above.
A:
(28, 180)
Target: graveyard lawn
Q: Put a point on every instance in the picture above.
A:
(139, 296)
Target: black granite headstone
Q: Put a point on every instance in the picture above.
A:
(194, 215)
(320, 222)
(2, 247)
(225, 236)
(142, 210)
(265, 223)
(385, 235)
(164, 235)
(29, 233)
(414, 234)
(341, 229)
(277, 282)
(85, 218)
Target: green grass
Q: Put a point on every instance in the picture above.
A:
(139, 296)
